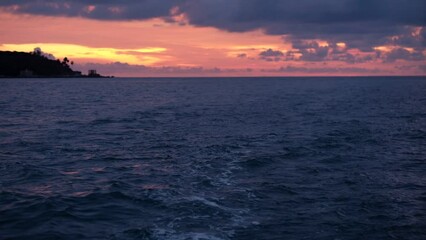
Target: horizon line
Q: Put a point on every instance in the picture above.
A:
(165, 77)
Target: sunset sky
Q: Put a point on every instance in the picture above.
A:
(223, 37)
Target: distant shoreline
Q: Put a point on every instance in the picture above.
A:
(37, 65)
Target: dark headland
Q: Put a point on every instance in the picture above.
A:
(35, 64)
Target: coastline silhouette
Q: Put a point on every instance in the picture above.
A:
(36, 64)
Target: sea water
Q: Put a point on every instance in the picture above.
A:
(213, 158)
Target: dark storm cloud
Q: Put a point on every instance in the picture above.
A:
(404, 54)
(311, 51)
(104, 10)
(361, 24)
(271, 55)
(275, 16)
(407, 39)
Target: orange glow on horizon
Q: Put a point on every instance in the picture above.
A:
(157, 43)
(60, 50)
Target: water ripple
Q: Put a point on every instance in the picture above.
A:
(265, 158)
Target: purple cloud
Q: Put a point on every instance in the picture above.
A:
(361, 24)
(403, 54)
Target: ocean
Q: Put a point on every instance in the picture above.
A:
(213, 158)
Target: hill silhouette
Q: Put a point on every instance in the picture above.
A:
(34, 64)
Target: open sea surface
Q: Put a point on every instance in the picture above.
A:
(213, 158)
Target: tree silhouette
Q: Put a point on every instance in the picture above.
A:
(37, 51)
(65, 61)
(14, 64)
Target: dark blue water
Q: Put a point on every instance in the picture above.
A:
(245, 158)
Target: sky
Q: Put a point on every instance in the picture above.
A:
(163, 38)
